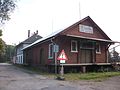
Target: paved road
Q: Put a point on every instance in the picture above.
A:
(14, 78)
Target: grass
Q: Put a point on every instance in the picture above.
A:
(35, 70)
(91, 76)
(97, 76)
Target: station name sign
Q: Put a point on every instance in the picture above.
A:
(86, 29)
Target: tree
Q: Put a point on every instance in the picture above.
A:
(0, 32)
(9, 52)
(2, 50)
(6, 51)
(114, 56)
(1, 41)
(6, 7)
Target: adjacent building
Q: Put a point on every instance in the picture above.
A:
(20, 46)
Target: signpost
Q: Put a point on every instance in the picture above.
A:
(62, 57)
(55, 49)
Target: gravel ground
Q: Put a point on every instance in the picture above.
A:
(14, 78)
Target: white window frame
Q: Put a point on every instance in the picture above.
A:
(99, 49)
(49, 52)
(75, 46)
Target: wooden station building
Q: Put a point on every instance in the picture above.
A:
(84, 43)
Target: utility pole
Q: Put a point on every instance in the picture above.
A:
(79, 11)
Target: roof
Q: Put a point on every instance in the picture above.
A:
(63, 30)
(44, 38)
(31, 39)
(87, 18)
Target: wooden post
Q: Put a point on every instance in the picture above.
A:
(62, 71)
(94, 52)
(84, 69)
(55, 62)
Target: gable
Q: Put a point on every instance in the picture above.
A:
(89, 29)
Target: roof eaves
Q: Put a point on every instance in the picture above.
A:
(96, 39)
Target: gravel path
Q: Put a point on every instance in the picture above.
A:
(14, 78)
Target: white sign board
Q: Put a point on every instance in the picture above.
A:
(62, 61)
(56, 48)
(86, 29)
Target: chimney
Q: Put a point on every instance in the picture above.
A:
(28, 33)
(36, 31)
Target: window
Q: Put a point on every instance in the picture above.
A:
(21, 60)
(98, 50)
(17, 59)
(86, 44)
(74, 46)
(50, 51)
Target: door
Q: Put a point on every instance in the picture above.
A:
(41, 56)
(85, 56)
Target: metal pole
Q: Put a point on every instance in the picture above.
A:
(62, 70)
(55, 62)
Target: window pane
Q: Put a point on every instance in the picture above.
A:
(74, 46)
(98, 47)
(50, 50)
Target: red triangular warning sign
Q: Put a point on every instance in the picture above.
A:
(62, 56)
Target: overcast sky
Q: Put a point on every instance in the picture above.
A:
(47, 16)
